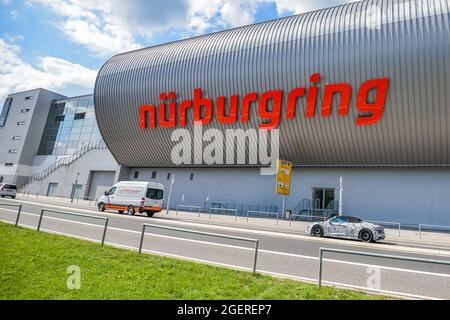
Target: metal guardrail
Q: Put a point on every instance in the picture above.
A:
(256, 241)
(388, 223)
(19, 206)
(77, 215)
(224, 209)
(311, 218)
(430, 225)
(192, 207)
(264, 212)
(369, 254)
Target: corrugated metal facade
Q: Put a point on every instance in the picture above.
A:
(406, 41)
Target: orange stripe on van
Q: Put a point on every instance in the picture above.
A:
(136, 209)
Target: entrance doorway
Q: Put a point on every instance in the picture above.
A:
(323, 198)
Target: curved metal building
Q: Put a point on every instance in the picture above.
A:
(405, 41)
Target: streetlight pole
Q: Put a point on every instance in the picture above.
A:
(172, 181)
(74, 188)
(341, 194)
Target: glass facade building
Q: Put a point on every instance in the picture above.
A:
(70, 125)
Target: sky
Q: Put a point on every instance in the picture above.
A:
(60, 45)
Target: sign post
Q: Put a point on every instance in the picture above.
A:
(283, 181)
(341, 194)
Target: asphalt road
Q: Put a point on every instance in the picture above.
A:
(285, 255)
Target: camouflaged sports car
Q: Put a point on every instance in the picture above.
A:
(348, 228)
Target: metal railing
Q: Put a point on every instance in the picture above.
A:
(223, 209)
(265, 213)
(307, 218)
(65, 161)
(242, 208)
(369, 254)
(256, 241)
(19, 206)
(77, 215)
(199, 208)
(430, 225)
(388, 223)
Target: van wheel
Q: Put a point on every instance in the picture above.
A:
(150, 213)
(101, 207)
(130, 210)
(121, 211)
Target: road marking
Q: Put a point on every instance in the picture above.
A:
(162, 219)
(252, 249)
(282, 275)
(379, 246)
(337, 284)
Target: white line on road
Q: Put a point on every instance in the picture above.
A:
(379, 246)
(251, 249)
(280, 275)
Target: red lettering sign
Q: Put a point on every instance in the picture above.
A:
(269, 105)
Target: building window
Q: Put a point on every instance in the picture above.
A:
(5, 111)
(154, 175)
(191, 177)
(79, 116)
(9, 164)
(168, 176)
(1, 179)
(51, 190)
(12, 151)
(59, 117)
(25, 110)
(29, 98)
(21, 123)
(17, 138)
(136, 175)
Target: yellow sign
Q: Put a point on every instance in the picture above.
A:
(284, 177)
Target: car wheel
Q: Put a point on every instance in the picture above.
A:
(366, 235)
(150, 213)
(130, 210)
(13, 197)
(101, 207)
(121, 211)
(317, 231)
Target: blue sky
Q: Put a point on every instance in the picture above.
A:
(60, 44)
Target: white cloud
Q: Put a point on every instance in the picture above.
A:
(89, 24)
(14, 14)
(107, 27)
(302, 6)
(238, 12)
(52, 73)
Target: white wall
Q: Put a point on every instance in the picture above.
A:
(65, 176)
(403, 195)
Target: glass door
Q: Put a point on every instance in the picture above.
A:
(323, 198)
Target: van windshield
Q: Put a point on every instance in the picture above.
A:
(154, 194)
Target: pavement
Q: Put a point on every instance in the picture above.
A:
(284, 249)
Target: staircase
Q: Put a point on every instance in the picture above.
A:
(311, 210)
(65, 161)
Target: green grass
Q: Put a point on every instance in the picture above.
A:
(33, 266)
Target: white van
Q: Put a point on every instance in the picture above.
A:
(133, 196)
